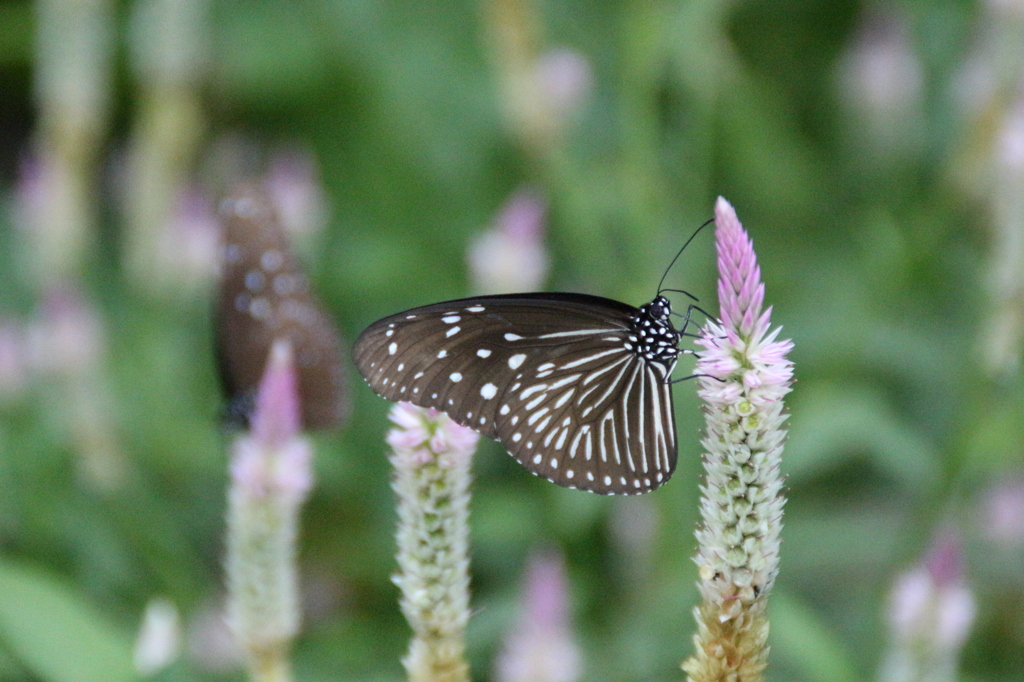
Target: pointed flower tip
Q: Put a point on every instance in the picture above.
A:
(740, 289)
(724, 212)
(729, 232)
(277, 416)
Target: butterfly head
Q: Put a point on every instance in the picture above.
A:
(657, 339)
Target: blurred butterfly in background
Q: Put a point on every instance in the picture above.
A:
(576, 387)
(264, 295)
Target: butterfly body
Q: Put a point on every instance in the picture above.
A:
(576, 387)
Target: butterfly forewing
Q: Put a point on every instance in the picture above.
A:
(557, 378)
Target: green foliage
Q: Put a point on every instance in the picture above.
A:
(875, 252)
(52, 631)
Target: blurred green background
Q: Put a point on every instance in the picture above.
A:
(873, 151)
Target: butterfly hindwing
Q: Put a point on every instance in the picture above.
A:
(595, 418)
(557, 378)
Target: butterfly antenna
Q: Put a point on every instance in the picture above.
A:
(696, 232)
(684, 293)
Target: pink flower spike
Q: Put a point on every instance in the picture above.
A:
(931, 611)
(191, 241)
(744, 375)
(541, 647)
(271, 474)
(566, 79)
(277, 416)
(293, 181)
(1002, 516)
(431, 460)
(510, 255)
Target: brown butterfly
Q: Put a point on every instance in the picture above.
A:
(264, 295)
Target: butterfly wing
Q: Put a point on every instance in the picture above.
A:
(264, 295)
(554, 377)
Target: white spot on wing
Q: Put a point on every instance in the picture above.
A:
(254, 280)
(271, 260)
(392, 348)
(285, 285)
(488, 391)
(455, 377)
(451, 319)
(516, 360)
(452, 332)
(475, 309)
(442, 354)
(483, 353)
(512, 337)
(259, 308)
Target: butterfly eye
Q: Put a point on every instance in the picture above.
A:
(660, 307)
(264, 295)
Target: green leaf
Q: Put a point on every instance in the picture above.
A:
(807, 643)
(53, 631)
